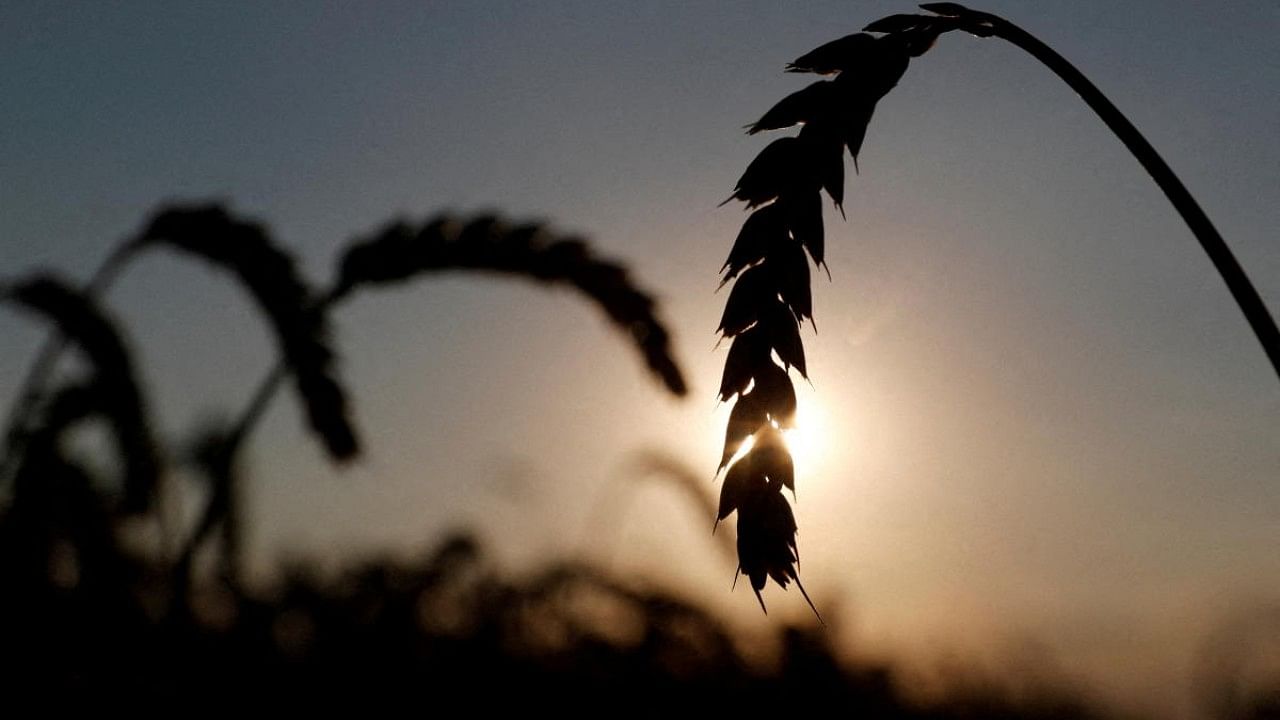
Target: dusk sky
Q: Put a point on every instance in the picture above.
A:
(1037, 419)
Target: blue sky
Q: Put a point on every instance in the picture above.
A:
(1041, 413)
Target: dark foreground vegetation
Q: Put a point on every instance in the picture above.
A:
(568, 639)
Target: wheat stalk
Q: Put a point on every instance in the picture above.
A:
(212, 451)
(113, 390)
(771, 296)
(270, 274)
(402, 251)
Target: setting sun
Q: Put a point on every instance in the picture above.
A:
(807, 440)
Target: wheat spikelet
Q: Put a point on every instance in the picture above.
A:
(113, 391)
(401, 251)
(271, 276)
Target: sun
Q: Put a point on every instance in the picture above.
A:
(807, 441)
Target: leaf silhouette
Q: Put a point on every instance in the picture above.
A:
(777, 331)
(270, 275)
(878, 71)
(803, 212)
(783, 333)
(779, 169)
(741, 482)
(919, 39)
(113, 391)
(767, 544)
(770, 457)
(790, 270)
(855, 120)
(762, 230)
(774, 394)
(400, 251)
(751, 292)
(917, 33)
(836, 56)
(800, 107)
(766, 541)
(749, 351)
(826, 156)
(746, 417)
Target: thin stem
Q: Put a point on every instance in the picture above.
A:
(248, 419)
(221, 497)
(1246, 296)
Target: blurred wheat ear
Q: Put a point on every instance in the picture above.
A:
(402, 251)
(55, 498)
(270, 274)
(112, 392)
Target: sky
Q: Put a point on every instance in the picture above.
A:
(1038, 421)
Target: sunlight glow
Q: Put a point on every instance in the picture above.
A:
(807, 441)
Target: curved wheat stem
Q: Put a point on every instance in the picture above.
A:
(1246, 296)
(924, 29)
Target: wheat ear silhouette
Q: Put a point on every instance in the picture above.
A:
(771, 295)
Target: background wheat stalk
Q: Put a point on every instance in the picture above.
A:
(112, 391)
(299, 315)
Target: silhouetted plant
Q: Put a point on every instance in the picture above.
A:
(270, 275)
(112, 391)
(299, 317)
(212, 451)
(448, 625)
(402, 251)
(771, 295)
